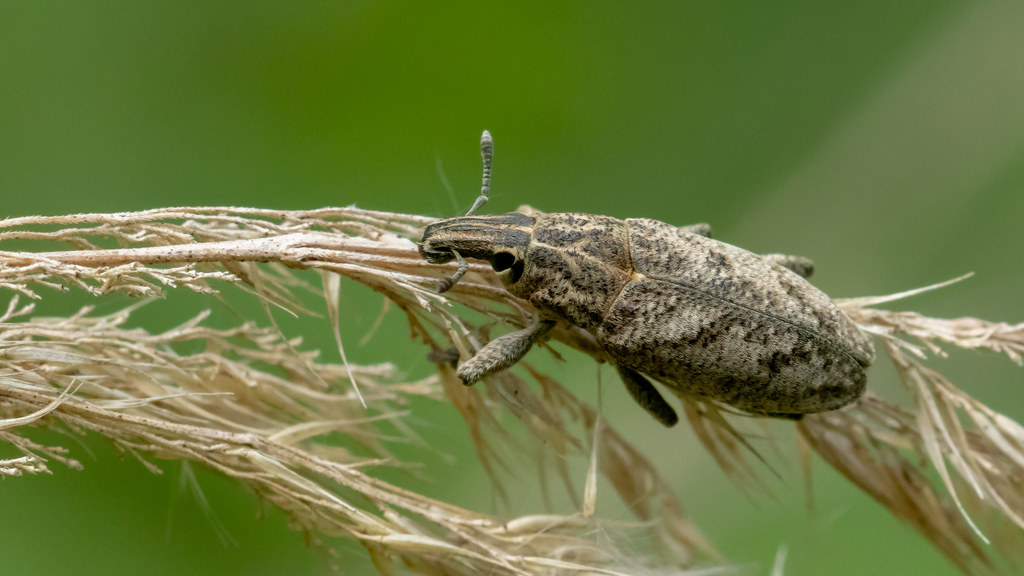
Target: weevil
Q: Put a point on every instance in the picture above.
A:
(702, 317)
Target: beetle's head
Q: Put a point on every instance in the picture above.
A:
(500, 239)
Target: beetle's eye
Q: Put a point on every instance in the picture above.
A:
(506, 264)
(503, 261)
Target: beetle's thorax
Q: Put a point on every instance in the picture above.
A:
(575, 266)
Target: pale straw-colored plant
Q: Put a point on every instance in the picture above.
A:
(255, 405)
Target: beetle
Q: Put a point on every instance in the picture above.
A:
(702, 317)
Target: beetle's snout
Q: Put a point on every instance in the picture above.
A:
(433, 254)
(436, 246)
(478, 237)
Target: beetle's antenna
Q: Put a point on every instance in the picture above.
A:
(445, 284)
(487, 153)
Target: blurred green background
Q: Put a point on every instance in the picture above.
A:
(883, 140)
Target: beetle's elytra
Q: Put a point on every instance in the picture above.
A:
(700, 316)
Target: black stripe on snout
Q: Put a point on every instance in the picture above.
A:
(477, 236)
(490, 223)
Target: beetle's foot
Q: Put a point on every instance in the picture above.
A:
(803, 267)
(793, 417)
(700, 229)
(445, 284)
(528, 210)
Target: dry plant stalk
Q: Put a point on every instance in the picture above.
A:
(254, 405)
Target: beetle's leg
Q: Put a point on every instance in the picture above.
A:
(528, 210)
(647, 396)
(700, 229)
(486, 153)
(445, 284)
(502, 352)
(784, 416)
(802, 266)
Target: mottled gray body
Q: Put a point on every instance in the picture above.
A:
(701, 316)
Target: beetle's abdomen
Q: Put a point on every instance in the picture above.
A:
(720, 322)
(726, 352)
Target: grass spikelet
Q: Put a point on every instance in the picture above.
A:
(254, 404)
(977, 453)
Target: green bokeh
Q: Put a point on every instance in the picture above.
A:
(884, 140)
